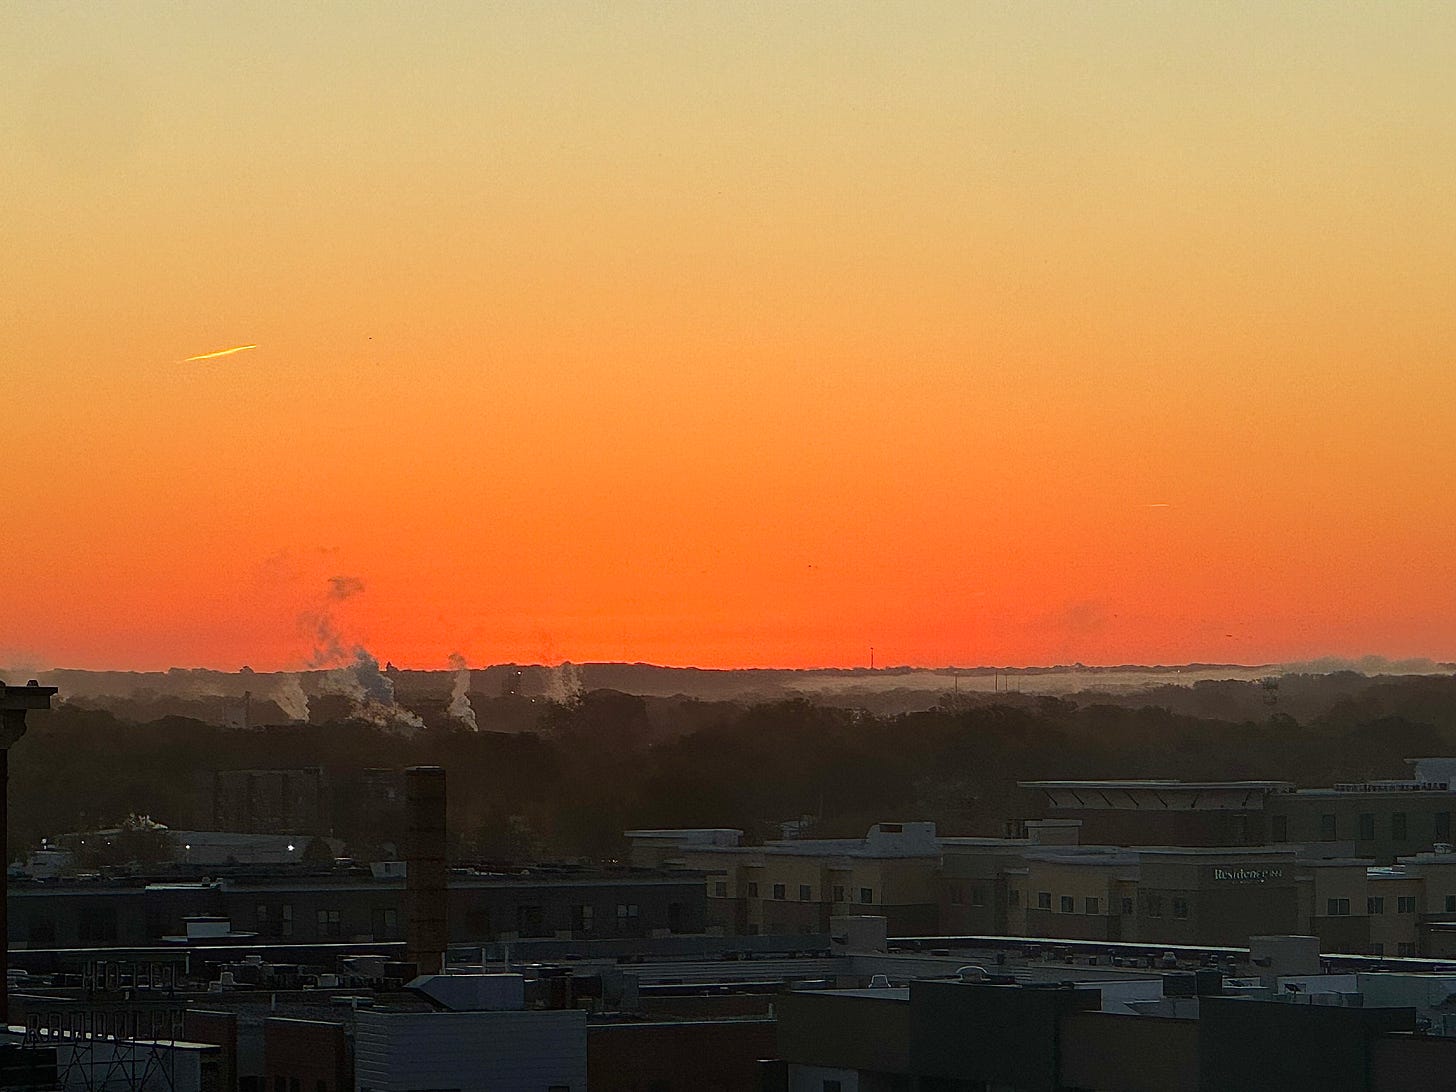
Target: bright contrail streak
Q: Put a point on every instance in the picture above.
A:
(220, 352)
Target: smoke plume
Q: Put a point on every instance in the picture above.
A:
(289, 697)
(460, 707)
(563, 683)
(371, 693)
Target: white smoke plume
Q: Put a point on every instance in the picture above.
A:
(289, 697)
(460, 707)
(563, 683)
(371, 693)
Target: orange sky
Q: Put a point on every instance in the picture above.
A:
(745, 334)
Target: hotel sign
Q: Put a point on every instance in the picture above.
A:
(1247, 875)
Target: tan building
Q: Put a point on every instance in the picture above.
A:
(796, 885)
(1379, 820)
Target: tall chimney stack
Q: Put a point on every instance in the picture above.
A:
(15, 702)
(425, 878)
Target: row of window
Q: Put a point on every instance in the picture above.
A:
(1067, 904)
(1365, 827)
(1153, 904)
(530, 920)
(1375, 904)
(806, 892)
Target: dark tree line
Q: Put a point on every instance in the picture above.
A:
(610, 761)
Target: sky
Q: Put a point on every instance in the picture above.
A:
(728, 334)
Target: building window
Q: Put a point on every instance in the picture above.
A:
(831, 1085)
(866, 895)
(1451, 904)
(1443, 826)
(1405, 948)
(1367, 827)
(1279, 828)
(752, 889)
(1013, 897)
(1068, 904)
(1405, 904)
(1154, 906)
(780, 891)
(384, 923)
(627, 915)
(1043, 900)
(1127, 906)
(328, 923)
(1092, 905)
(1375, 904)
(581, 918)
(285, 912)
(955, 894)
(978, 896)
(720, 890)
(1337, 908)
(1328, 828)
(839, 893)
(1180, 908)
(1376, 948)
(1399, 826)
(806, 892)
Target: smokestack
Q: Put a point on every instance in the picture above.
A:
(15, 701)
(426, 876)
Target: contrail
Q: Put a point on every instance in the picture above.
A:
(220, 352)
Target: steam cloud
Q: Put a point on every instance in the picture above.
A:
(563, 683)
(289, 697)
(460, 707)
(372, 694)
(353, 671)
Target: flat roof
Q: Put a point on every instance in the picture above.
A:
(1197, 786)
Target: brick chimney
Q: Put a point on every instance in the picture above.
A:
(425, 880)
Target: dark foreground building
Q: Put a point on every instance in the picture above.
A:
(358, 907)
(969, 1037)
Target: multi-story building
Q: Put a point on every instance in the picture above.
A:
(1380, 820)
(796, 885)
(358, 906)
(270, 801)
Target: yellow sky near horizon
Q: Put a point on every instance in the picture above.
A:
(739, 334)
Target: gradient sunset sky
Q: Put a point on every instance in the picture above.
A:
(727, 334)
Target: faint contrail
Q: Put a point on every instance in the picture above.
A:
(220, 352)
